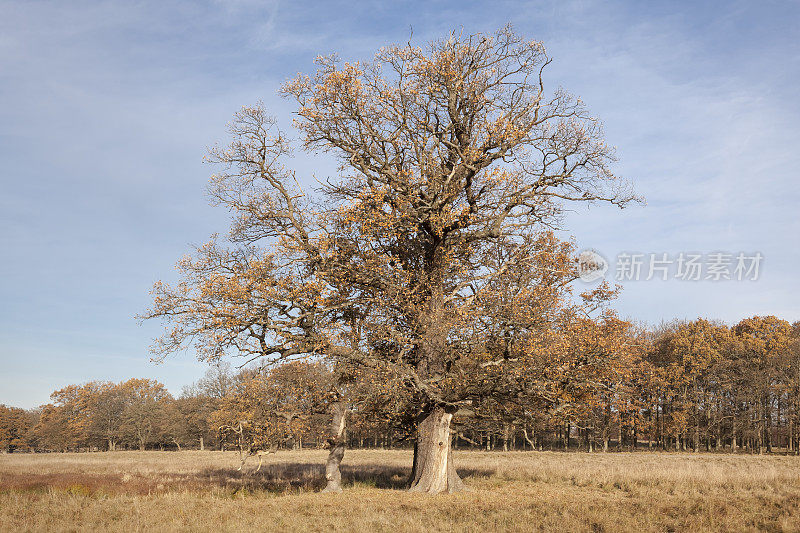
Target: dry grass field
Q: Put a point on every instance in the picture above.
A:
(515, 491)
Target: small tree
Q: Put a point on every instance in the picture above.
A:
(67, 422)
(145, 402)
(107, 406)
(450, 157)
(15, 428)
(276, 406)
(187, 420)
(763, 342)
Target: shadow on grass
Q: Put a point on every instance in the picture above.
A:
(276, 478)
(294, 477)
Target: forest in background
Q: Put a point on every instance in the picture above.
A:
(699, 385)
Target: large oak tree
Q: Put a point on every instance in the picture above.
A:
(453, 160)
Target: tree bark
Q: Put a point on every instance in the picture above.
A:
(336, 441)
(433, 470)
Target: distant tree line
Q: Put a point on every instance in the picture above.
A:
(698, 386)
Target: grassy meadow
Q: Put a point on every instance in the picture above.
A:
(513, 491)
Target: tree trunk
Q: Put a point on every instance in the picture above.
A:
(767, 425)
(433, 470)
(336, 441)
(202, 448)
(530, 440)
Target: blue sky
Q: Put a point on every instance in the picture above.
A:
(106, 109)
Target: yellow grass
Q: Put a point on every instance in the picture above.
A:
(515, 491)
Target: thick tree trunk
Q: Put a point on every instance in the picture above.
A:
(336, 441)
(433, 470)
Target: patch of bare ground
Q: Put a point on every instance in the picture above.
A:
(514, 491)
